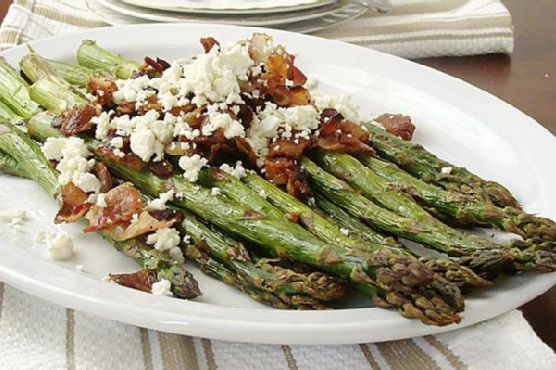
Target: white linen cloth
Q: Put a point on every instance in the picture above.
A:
(39, 335)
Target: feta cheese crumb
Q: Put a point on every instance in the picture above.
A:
(41, 236)
(160, 202)
(177, 255)
(344, 231)
(164, 239)
(162, 287)
(238, 171)
(191, 165)
(15, 214)
(263, 194)
(341, 103)
(215, 191)
(311, 202)
(446, 170)
(101, 200)
(59, 246)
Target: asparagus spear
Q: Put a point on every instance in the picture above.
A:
(74, 74)
(453, 272)
(10, 166)
(92, 56)
(462, 208)
(218, 270)
(14, 92)
(423, 164)
(300, 290)
(32, 164)
(484, 257)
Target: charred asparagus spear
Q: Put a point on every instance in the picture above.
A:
(32, 164)
(460, 207)
(453, 272)
(484, 257)
(423, 164)
(92, 56)
(294, 289)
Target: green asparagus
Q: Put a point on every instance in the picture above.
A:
(92, 56)
(462, 208)
(421, 163)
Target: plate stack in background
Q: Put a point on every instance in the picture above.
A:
(294, 15)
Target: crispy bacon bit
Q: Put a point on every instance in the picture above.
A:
(338, 134)
(162, 168)
(300, 96)
(145, 223)
(288, 148)
(284, 171)
(245, 115)
(103, 89)
(154, 64)
(103, 175)
(293, 217)
(141, 280)
(122, 202)
(397, 124)
(294, 74)
(74, 204)
(245, 148)
(208, 43)
(128, 159)
(76, 120)
(166, 215)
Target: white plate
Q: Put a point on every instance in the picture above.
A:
(259, 20)
(327, 17)
(455, 120)
(230, 6)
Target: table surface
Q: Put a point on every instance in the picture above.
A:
(526, 79)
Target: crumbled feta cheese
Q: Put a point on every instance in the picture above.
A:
(101, 200)
(162, 287)
(238, 171)
(187, 239)
(344, 231)
(177, 255)
(311, 202)
(11, 215)
(144, 144)
(446, 170)
(41, 236)
(59, 246)
(131, 90)
(230, 126)
(52, 148)
(164, 239)
(160, 202)
(102, 123)
(191, 165)
(263, 194)
(117, 142)
(341, 103)
(215, 191)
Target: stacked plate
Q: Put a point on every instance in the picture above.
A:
(294, 15)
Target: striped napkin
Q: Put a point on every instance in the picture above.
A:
(40, 335)
(413, 29)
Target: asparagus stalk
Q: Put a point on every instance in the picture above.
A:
(10, 166)
(462, 208)
(428, 167)
(14, 92)
(33, 165)
(218, 270)
(74, 74)
(453, 272)
(484, 257)
(92, 56)
(299, 290)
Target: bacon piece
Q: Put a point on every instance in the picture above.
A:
(74, 204)
(338, 134)
(245, 115)
(122, 202)
(293, 217)
(76, 120)
(158, 65)
(141, 280)
(397, 124)
(208, 43)
(284, 171)
(288, 148)
(299, 96)
(103, 89)
(128, 159)
(145, 223)
(162, 168)
(281, 95)
(103, 175)
(244, 148)
(294, 74)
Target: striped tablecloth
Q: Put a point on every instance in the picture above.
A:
(39, 335)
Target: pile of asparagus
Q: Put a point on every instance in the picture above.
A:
(347, 238)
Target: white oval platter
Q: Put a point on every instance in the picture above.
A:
(454, 119)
